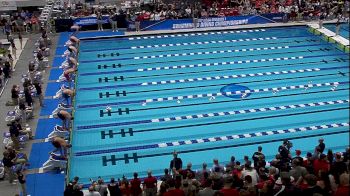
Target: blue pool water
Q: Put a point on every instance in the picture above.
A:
(344, 29)
(206, 95)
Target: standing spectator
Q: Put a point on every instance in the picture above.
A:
(28, 96)
(217, 167)
(230, 165)
(92, 192)
(99, 21)
(174, 189)
(337, 27)
(113, 188)
(14, 49)
(249, 170)
(114, 21)
(101, 187)
(227, 190)
(138, 20)
(8, 163)
(284, 151)
(34, 23)
(166, 176)
(343, 188)
(20, 38)
(39, 91)
(15, 94)
(22, 180)
(312, 187)
(297, 170)
(150, 184)
(208, 190)
(0, 77)
(298, 157)
(201, 173)
(176, 163)
(321, 164)
(6, 70)
(135, 186)
(10, 60)
(20, 24)
(257, 156)
(7, 29)
(330, 156)
(14, 134)
(321, 145)
(188, 173)
(338, 167)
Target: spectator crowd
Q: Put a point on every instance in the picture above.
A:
(319, 173)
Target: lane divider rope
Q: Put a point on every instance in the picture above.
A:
(194, 34)
(197, 116)
(204, 42)
(231, 76)
(244, 92)
(215, 139)
(213, 52)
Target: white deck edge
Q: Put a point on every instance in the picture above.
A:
(328, 33)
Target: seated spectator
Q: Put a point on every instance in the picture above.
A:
(297, 170)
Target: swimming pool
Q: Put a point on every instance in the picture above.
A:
(344, 29)
(206, 95)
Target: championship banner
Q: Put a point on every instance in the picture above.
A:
(8, 5)
(207, 22)
(89, 21)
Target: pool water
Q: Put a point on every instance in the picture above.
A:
(344, 29)
(206, 95)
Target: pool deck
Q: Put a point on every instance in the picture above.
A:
(326, 32)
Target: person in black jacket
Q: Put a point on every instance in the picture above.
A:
(28, 96)
(39, 92)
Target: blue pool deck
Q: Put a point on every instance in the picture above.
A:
(205, 94)
(51, 183)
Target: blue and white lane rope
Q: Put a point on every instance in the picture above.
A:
(220, 63)
(215, 139)
(204, 42)
(231, 76)
(195, 34)
(224, 113)
(214, 52)
(244, 92)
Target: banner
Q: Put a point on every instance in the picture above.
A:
(7, 5)
(89, 21)
(210, 22)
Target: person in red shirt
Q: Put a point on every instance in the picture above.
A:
(135, 185)
(227, 190)
(150, 184)
(321, 164)
(343, 189)
(174, 190)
